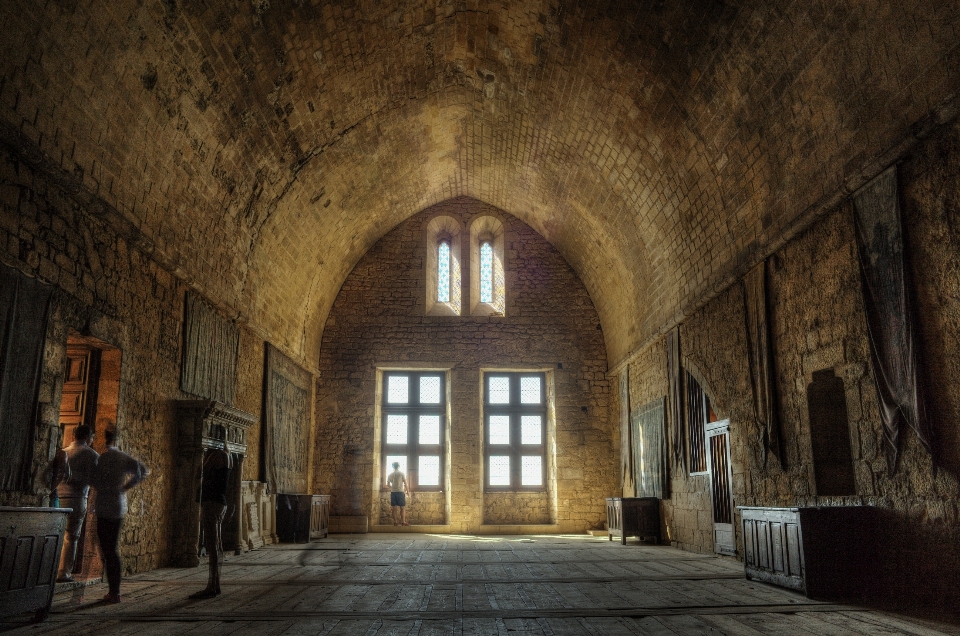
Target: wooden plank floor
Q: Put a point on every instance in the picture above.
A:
(413, 585)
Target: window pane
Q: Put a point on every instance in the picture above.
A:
(531, 470)
(486, 272)
(499, 470)
(531, 429)
(401, 459)
(499, 389)
(429, 429)
(396, 429)
(430, 389)
(499, 429)
(429, 474)
(443, 272)
(530, 391)
(398, 389)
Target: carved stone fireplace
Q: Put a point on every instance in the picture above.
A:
(204, 424)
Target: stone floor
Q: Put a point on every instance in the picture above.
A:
(455, 584)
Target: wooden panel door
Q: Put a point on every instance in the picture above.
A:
(721, 491)
(73, 403)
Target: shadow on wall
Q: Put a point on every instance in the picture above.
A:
(348, 501)
(886, 560)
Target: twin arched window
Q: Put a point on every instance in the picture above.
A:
(444, 273)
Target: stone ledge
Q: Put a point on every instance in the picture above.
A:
(480, 530)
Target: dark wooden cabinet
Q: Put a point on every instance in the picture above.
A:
(29, 555)
(633, 517)
(302, 518)
(824, 552)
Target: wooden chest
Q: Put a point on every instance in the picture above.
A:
(633, 517)
(30, 542)
(823, 552)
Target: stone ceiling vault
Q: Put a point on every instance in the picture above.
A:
(263, 146)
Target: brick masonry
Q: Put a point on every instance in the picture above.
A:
(378, 320)
(264, 147)
(110, 289)
(818, 323)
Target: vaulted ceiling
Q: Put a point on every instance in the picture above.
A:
(261, 147)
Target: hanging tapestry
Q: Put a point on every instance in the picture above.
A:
(24, 306)
(211, 345)
(650, 451)
(760, 359)
(626, 455)
(887, 302)
(675, 397)
(286, 423)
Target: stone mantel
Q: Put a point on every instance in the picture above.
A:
(204, 424)
(200, 419)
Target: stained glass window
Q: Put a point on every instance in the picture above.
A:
(531, 470)
(499, 470)
(429, 473)
(498, 389)
(499, 429)
(531, 429)
(486, 272)
(396, 429)
(515, 413)
(430, 389)
(430, 429)
(414, 414)
(443, 272)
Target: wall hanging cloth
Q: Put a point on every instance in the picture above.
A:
(210, 351)
(650, 450)
(626, 453)
(760, 354)
(24, 306)
(675, 397)
(286, 415)
(887, 302)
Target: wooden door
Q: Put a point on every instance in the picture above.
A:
(721, 491)
(73, 403)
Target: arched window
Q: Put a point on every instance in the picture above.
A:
(443, 271)
(487, 271)
(442, 267)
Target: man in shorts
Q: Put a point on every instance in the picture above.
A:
(398, 497)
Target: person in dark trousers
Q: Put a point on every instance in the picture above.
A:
(116, 473)
(214, 482)
(73, 492)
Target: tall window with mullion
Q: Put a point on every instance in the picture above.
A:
(414, 413)
(515, 414)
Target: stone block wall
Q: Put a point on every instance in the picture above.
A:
(818, 322)
(378, 321)
(108, 287)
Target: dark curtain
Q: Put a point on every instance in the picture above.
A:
(760, 354)
(650, 451)
(25, 304)
(887, 303)
(210, 351)
(675, 397)
(626, 454)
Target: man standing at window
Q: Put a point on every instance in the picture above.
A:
(116, 473)
(398, 497)
(73, 494)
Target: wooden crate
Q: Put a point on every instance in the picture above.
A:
(29, 555)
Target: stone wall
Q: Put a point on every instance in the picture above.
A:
(378, 321)
(108, 288)
(817, 323)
